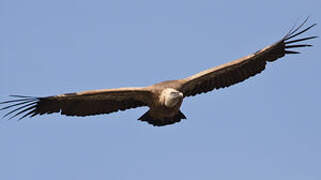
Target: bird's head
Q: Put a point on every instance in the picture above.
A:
(171, 97)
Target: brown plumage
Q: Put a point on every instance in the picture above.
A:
(164, 99)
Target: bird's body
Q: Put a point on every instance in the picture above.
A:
(164, 99)
(165, 106)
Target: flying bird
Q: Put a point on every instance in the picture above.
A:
(164, 99)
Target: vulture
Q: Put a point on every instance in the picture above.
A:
(164, 99)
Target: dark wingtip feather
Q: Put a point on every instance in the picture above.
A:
(12, 101)
(29, 113)
(291, 31)
(298, 45)
(292, 52)
(302, 39)
(22, 111)
(22, 104)
(21, 107)
(17, 104)
(20, 98)
(294, 34)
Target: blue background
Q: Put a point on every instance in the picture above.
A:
(267, 127)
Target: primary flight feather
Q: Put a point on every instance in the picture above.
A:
(164, 99)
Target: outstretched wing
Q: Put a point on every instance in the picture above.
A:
(79, 104)
(237, 71)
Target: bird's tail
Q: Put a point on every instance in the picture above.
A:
(162, 121)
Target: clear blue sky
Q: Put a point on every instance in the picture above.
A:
(267, 127)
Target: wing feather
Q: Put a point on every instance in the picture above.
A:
(79, 104)
(237, 71)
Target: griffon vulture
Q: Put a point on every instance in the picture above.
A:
(164, 99)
